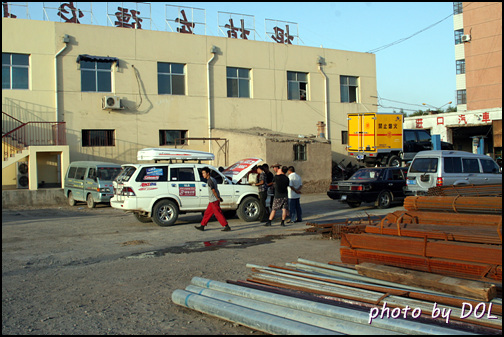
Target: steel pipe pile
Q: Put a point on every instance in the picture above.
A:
(458, 204)
(493, 190)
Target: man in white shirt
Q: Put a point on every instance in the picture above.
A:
(294, 194)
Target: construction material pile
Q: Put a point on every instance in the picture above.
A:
(309, 297)
(467, 245)
(494, 190)
(333, 230)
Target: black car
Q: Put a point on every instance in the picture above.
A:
(381, 185)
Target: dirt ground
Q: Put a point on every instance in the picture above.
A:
(74, 270)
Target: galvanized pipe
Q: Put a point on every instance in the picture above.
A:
(251, 318)
(335, 324)
(397, 325)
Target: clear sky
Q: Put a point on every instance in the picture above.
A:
(420, 69)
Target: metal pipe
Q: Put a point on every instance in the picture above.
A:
(251, 318)
(326, 108)
(323, 309)
(213, 50)
(335, 324)
(56, 102)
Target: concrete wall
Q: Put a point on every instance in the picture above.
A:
(41, 197)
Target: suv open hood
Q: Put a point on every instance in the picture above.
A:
(240, 169)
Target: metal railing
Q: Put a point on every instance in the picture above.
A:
(27, 134)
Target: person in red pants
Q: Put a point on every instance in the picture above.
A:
(214, 203)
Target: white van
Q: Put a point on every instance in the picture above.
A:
(90, 181)
(159, 192)
(444, 168)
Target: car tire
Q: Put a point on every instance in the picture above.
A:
(353, 204)
(384, 199)
(90, 201)
(394, 161)
(142, 218)
(71, 200)
(165, 213)
(249, 209)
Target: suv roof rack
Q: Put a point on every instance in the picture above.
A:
(157, 154)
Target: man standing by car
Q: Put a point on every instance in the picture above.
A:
(263, 190)
(294, 193)
(213, 207)
(281, 183)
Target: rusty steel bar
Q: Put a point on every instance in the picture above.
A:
(458, 204)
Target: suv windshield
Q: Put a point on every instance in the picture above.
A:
(423, 165)
(368, 174)
(126, 173)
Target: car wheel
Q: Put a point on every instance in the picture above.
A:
(394, 161)
(71, 200)
(90, 201)
(384, 199)
(249, 209)
(354, 204)
(142, 218)
(165, 213)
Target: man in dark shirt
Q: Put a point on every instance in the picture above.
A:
(281, 183)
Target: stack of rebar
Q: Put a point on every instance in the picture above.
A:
(334, 229)
(456, 204)
(309, 297)
(494, 190)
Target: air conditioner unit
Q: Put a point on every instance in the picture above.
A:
(465, 38)
(22, 175)
(111, 102)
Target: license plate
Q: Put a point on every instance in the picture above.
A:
(411, 182)
(360, 157)
(343, 197)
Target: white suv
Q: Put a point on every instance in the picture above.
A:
(161, 191)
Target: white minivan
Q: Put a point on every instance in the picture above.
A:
(444, 168)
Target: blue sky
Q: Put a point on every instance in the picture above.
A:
(419, 70)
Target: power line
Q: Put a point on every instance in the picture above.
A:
(406, 38)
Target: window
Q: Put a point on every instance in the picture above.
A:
(238, 82)
(458, 36)
(409, 136)
(461, 97)
(81, 171)
(344, 137)
(182, 174)
(470, 165)
(460, 67)
(423, 136)
(96, 76)
(172, 137)
(297, 86)
(98, 138)
(300, 152)
(15, 71)
(457, 8)
(218, 178)
(489, 166)
(452, 165)
(424, 165)
(153, 173)
(348, 85)
(171, 79)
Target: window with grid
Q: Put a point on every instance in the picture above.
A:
(92, 138)
(15, 70)
(300, 152)
(461, 97)
(172, 137)
(348, 87)
(238, 82)
(297, 86)
(171, 78)
(96, 76)
(460, 67)
(457, 8)
(458, 36)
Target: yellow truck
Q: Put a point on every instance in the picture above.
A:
(379, 139)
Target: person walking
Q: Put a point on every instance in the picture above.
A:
(281, 183)
(294, 194)
(213, 207)
(263, 190)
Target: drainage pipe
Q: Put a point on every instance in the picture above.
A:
(251, 318)
(326, 103)
(66, 39)
(360, 317)
(338, 325)
(213, 50)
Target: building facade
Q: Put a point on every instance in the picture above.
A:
(119, 90)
